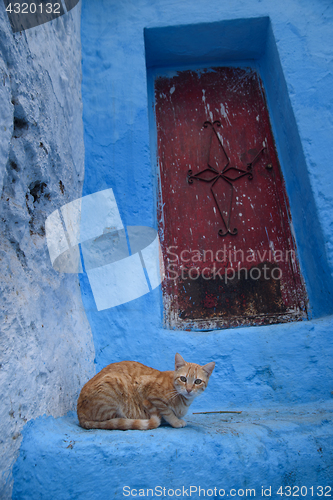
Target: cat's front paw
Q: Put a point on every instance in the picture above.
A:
(180, 423)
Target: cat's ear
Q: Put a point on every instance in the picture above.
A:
(209, 368)
(179, 361)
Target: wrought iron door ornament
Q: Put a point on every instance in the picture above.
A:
(229, 174)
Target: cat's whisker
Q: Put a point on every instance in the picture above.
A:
(172, 397)
(172, 393)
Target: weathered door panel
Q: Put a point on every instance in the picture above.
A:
(228, 250)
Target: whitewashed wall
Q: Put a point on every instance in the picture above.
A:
(46, 347)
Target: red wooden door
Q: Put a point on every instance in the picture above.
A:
(228, 250)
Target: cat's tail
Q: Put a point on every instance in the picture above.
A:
(124, 424)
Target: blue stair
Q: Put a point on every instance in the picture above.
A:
(271, 453)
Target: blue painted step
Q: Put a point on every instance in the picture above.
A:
(229, 454)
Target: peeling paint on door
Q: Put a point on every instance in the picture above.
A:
(229, 255)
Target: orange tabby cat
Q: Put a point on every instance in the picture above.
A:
(129, 395)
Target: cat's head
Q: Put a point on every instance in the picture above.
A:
(191, 379)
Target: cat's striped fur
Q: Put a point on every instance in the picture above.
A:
(129, 395)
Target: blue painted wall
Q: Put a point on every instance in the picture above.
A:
(289, 43)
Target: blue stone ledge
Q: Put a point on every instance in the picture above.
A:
(233, 452)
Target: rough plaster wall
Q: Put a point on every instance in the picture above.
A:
(46, 343)
(307, 38)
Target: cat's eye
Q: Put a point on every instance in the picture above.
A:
(183, 379)
(198, 381)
